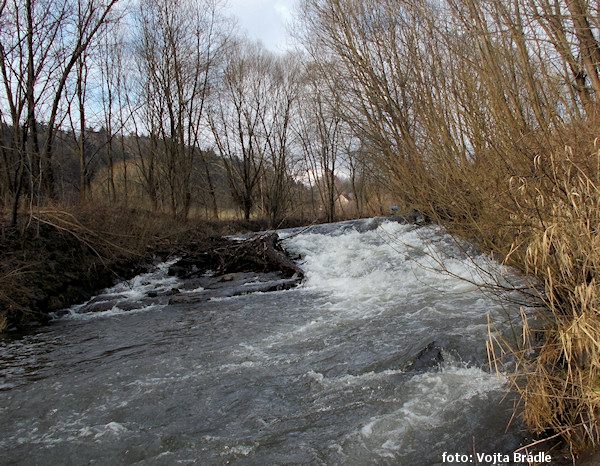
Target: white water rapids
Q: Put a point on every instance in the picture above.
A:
(321, 374)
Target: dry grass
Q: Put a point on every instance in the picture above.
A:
(13, 279)
(560, 384)
(58, 256)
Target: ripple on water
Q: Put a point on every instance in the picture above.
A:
(318, 374)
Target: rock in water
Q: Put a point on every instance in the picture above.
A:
(429, 357)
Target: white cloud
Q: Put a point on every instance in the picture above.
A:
(265, 20)
(283, 9)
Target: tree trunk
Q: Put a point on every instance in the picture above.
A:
(211, 191)
(590, 51)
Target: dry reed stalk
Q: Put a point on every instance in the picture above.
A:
(560, 385)
(13, 279)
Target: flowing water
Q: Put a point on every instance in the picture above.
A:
(321, 374)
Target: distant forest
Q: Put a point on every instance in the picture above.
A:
(114, 173)
(159, 104)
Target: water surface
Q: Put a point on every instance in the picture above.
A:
(320, 374)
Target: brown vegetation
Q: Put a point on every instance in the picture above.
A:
(484, 115)
(560, 386)
(57, 258)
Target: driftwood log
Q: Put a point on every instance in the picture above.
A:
(224, 256)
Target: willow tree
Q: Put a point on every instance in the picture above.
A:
(448, 97)
(358, 49)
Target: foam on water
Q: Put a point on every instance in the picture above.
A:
(430, 408)
(127, 296)
(394, 260)
(417, 276)
(112, 312)
(318, 374)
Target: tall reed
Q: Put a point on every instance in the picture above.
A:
(560, 385)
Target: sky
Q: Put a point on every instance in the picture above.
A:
(265, 20)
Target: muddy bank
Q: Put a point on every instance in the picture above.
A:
(219, 255)
(58, 261)
(45, 269)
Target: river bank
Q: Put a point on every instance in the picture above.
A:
(58, 258)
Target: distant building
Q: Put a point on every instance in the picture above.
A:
(345, 204)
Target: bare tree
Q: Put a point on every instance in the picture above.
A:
(41, 43)
(320, 131)
(277, 133)
(112, 76)
(178, 46)
(237, 119)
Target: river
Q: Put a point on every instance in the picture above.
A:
(324, 373)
